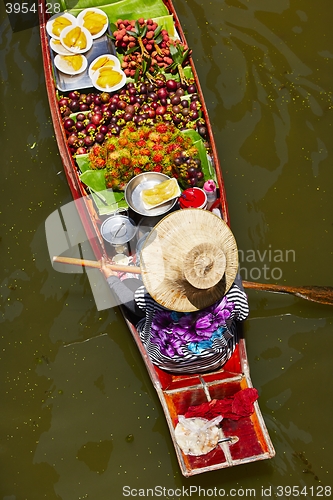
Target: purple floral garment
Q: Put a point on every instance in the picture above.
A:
(171, 331)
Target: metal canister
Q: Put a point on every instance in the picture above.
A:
(118, 229)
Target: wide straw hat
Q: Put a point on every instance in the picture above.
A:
(189, 260)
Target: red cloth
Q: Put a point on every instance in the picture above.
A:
(235, 407)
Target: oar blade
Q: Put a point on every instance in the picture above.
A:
(319, 294)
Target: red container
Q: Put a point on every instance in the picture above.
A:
(193, 198)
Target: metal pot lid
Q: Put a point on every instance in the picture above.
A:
(118, 229)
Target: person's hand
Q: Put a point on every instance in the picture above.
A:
(106, 270)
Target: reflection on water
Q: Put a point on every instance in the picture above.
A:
(289, 364)
(80, 418)
(267, 68)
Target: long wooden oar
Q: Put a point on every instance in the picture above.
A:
(97, 264)
(320, 294)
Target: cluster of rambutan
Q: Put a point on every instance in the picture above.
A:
(140, 149)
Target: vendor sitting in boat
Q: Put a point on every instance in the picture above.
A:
(191, 297)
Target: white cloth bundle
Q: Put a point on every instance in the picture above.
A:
(197, 436)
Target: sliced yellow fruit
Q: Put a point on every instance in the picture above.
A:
(94, 22)
(160, 193)
(103, 62)
(75, 38)
(74, 61)
(108, 78)
(72, 36)
(59, 24)
(81, 42)
(107, 69)
(93, 27)
(91, 13)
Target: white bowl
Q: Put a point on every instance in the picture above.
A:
(80, 20)
(49, 24)
(107, 88)
(121, 259)
(62, 65)
(58, 47)
(110, 57)
(76, 50)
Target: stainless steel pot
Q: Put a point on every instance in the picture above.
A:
(118, 229)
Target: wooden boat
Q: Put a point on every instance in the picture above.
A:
(242, 441)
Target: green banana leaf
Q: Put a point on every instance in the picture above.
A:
(82, 161)
(106, 200)
(123, 9)
(167, 23)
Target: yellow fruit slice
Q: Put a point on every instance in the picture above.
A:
(74, 61)
(103, 62)
(160, 193)
(95, 16)
(94, 22)
(59, 24)
(75, 38)
(81, 42)
(108, 78)
(107, 69)
(72, 36)
(93, 27)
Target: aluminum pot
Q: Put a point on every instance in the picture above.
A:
(118, 229)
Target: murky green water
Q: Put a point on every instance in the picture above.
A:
(79, 418)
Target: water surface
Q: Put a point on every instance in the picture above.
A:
(79, 416)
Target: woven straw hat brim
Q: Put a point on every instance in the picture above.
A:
(164, 253)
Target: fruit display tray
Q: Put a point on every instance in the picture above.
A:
(100, 46)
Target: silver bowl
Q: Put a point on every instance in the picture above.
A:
(135, 187)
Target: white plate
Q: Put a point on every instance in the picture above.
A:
(173, 180)
(108, 56)
(80, 20)
(49, 24)
(58, 47)
(75, 50)
(109, 89)
(62, 65)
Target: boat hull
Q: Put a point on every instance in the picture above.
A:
(250, 440)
